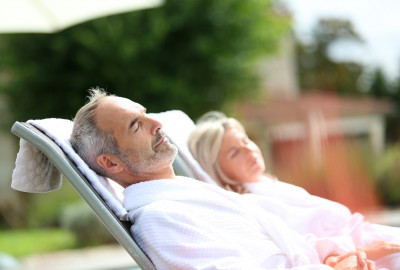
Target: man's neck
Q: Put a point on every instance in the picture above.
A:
(163, 174)
(130, 178)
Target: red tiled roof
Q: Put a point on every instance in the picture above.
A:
(280, 110)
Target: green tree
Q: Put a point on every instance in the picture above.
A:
(189, 55)
(382, 87)
(379, 85)
(317, 70)
(395, 96)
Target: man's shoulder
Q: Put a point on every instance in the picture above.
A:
(169, 195)
(164, 212)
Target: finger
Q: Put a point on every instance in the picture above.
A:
(362, 258)
(346, 255)
(396, 247)
(331, 261)
(371, 265)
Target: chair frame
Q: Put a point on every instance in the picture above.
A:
(119, 229)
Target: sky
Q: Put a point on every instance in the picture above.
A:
(376, 21)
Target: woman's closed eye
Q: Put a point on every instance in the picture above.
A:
(233, 152)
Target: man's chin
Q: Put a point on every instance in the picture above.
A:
(170, 153)
(174, 151)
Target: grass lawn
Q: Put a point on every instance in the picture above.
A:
(25, 242)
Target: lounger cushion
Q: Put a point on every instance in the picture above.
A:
(59, 130)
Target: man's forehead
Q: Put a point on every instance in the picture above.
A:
(112, 109)
(126, 103)
(140, 107)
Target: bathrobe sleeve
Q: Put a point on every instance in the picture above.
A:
(177, 236)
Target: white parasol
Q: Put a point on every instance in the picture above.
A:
(47, 16)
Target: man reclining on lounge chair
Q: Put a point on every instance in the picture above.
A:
(181, 223)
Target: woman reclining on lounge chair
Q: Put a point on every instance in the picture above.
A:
(224, 151)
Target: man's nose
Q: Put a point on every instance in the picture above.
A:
(155, 126)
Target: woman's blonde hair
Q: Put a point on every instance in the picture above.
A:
(205, 142)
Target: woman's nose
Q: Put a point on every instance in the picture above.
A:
(249, 148)
(245, 148)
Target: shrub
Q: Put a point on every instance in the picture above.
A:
(25, 242)
(387, 175)
(85, 225)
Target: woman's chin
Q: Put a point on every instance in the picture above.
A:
(255, 176)
(258, 169)
(253, 180)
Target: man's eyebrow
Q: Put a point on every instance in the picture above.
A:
(134, 121)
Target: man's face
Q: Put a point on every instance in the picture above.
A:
(143, 147)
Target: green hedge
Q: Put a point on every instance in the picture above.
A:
(387, 175)
(85, 225)
(26, 242)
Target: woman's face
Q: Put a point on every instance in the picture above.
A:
(239, 158)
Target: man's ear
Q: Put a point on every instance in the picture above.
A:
(110, 163)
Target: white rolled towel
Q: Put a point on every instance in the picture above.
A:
(33, 171)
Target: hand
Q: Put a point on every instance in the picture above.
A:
(356, 260)
(352, 263)
(379, 249)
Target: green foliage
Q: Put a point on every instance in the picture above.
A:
(27, 242)
(189, 55)
(32, 210)
(382, 87)
(317, 70)
(379, 86)
(387, 175)
(86, 226)
(45, 209)
(395, 94)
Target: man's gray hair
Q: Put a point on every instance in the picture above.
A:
(86, 139)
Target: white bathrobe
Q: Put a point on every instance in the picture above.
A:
(306, 213)
(188, 224)
(300, 210)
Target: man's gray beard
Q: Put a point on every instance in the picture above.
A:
(154, 163)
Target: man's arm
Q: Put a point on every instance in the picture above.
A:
(173, 241)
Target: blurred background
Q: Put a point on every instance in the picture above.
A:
(316, 84)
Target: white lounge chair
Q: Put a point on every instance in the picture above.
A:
(86, 183)
(51, 137)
